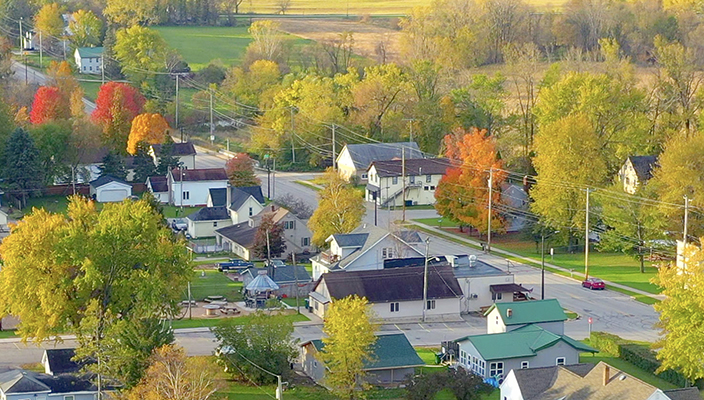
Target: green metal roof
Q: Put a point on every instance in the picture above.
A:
(389, 351)
(529, 312)
(522, 342)
(90, 52)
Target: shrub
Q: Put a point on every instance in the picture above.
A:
(606, 343)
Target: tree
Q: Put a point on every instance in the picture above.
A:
(86, 29)
(340, 209)
(350, 327)
(265, 340)
(61, 77)
(91, 271)
(462, 194)
(140, 50)
(130, 13)
(147, 128)
(240, 171)
(172, 375)
(113, 165)
(167, 160)
(48, 21)
(283, 5)
(681, 314)
(297, 206)
(266, 40)
(143, 164)
(52, 141)
(464, 384)
(23, 172)
(269, 239)
(48, 106)
(116, 106)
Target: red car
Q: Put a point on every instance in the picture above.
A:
(594, 284)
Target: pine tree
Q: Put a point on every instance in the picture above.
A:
(167, 160)
(113, 165)
(143, 164)
(23, 173)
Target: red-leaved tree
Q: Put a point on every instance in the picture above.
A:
(49, 105)
(240, 170)
(116, 106)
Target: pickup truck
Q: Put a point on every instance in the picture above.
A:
(233, 265)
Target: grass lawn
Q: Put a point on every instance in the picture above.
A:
(628, 368)
(54, 204)
(427, 354)
(178, 212)
(203, 322)
(90, 89)
(308, 185)
(7, 334)
(437, 222)
(214, 284)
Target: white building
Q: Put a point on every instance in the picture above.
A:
(89, 60)
(636, 171)
(423, 175)
(204, 222)
(159, 187)
(297, 235)
(191, 187)
(185, 152)
(484, 285)
(354, 159)
(108, 189)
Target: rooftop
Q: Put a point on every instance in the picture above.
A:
(364, 154)
(643, 165)
(159, 184)
(105, 179)
(241, 234)
(414, 167)
(529, 312)
(194, 175)
(283, 274)
(179, 149)
(210, 214)
(90, 52)
(389, 351)
(60, 361)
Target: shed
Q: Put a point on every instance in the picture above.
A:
(108, 189)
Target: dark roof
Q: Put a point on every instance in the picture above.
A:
(350, 239)
(238, 198)
(159, 184)
(20, 381)
(409, 236)
(507, 288)
(241, 234)
(364, 154)
(66, 383)
(92, 155)
(393, 284)
(255, 191)
(580, 369)
(389, 351)
(534, 381)
(179, 149)
(284, 274)
(238, 195)
(60, 361)
(691, 393)
(644, 166)
(105, 179)
(414, 167)
(210, 214)
(192, 175)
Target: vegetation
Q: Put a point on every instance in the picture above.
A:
(269, 240)
(340, 209)
(240, 171)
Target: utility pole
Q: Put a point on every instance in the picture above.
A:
(403, 176)
(334, 152)
(293, 144)
(41, 51)
(488, 219)
(425, 278)
(212, 125)
(686, 218)
(586, 240)
(268, 248)
(295, 277)
(102, 68)
(279, 388)
(273, 180)
(542, 264)
(189, 301)
(177, 102)
(64, 42)
(21, 36)
(410, 128)
(376, 200)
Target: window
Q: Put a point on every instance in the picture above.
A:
(425, 187)
(364, 176)
(250, 211)
(315, 364)
(525, 364)
(412, 179)
(430, 305)
(432, 187)
(289, 224)
(394, 307)
(90, 68)
(186, 195)
(496, 368)
(69, 398)
(497, 296)
(387, 252)
(560, 361)
(463, 357)
(215, 224)
(394, 180)
(305, 241)
(428, 178)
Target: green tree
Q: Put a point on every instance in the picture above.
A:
(167, 160)
(140, 50)
(52, 141)
(269, 238)
(464, 384)
(86, 29)
(143, 164)
(350, 327)
(48, 21)
(23, 171)
(340, 209)
(113, 165)
(265, 340)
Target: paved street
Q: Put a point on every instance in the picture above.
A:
(33, 76)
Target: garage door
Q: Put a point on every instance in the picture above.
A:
(112, 195)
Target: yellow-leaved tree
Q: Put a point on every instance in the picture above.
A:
(350, 328)
(340, 209)
(148, 128)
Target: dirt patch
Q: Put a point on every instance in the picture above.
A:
(366, 36)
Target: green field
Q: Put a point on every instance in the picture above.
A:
(214, 284)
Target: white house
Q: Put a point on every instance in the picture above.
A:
(21, 384)
(204, 222)
(242, 203)
(354, 159)
(386, 186)
(393, 293)
(159, 187)
(237, 239)
(191, 187)
(636, 171)
(483, 285)
(89, 60)
(109, 189)
(296, 232)
(365, 248)
(505, 317)
(185, 152)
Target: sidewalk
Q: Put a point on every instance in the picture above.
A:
(531, 262)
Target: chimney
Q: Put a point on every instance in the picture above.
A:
(509, 313)
(228, 196)
(606, 374)
(273, 208)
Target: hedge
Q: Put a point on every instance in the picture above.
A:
(636, 354)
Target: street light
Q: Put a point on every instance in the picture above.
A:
(542, 269)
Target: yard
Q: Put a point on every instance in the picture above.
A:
(214, 283)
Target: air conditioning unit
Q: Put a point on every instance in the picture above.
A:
(473, 295)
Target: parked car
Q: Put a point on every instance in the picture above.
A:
(275, 263)
(594, 284)
(234, 265)
(179, 224)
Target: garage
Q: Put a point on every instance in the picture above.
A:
(108, 189)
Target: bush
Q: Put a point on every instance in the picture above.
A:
(607, 343)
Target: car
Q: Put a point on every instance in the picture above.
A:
(275, 263)
(234, 265)
(179, 224)
(594, 284)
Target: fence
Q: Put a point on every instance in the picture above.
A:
(205, 248)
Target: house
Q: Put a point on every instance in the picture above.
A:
(287, 277)
(204, 222)
(354, 159)
(365, 248)
(108, 189)
(296, 232)
(493, 355)
(636, 171)
(185, 152)
(516, 198)
(505, 317)
(484, 285)
(89, 60)
(584, 381)
(394, 293)
(20, 384)
(386, 186)
(60, 361)
(3, 219)
(159, 187)
(237, 239)
(242, 203)
(218, 196)
(190, 187)
(393, 359)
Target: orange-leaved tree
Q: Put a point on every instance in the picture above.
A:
(116, 106)
(462, 195)
(240, 170)
(48, 105)
(148, 128)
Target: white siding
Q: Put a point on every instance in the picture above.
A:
(200, 229)
(345, 165)
(243, 213)
(111, 192)
(420, 191)
(479, 286)
(197, 192)
(510, 389)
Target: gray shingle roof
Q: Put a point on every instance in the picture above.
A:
(105, 179)
(691, 393)
(210, 214)
(60, 361)
(389, 351)
(350, 239)
(179, 149)
(414, 167)
(364, 154)
(18, 381)
(193, 175)
(159, 184)
(238, 195)
(241, 234)
(643, 165)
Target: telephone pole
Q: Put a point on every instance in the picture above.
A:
(488, 219)
(403, 176)
(177, 102)
(293, 145)
(686, 218)
(586, 239)
(212, 125)
(21, 36)
(334, 152)
(410, 128)
(425, 278)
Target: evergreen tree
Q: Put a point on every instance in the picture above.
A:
(167, 160)
(143, 164)
(114, 166)
(23, 172)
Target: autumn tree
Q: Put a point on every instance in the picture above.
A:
(172, 375)
(61, 76)
(23, 173)
(267, 41)
(340, 209)
(141, 51)
(116, 106)
(131, 13)
(463, 193)
(91, 270)
(49, 105)
(249, 85)
(86, 29)
(266, 340)
(147, 128)
(240, 171)
(350, 328)
(269, 238)
(49, 22)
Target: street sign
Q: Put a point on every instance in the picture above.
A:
(590, 320)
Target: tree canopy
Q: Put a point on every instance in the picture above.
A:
(340, 209)
(269, 238)
(240, 171)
